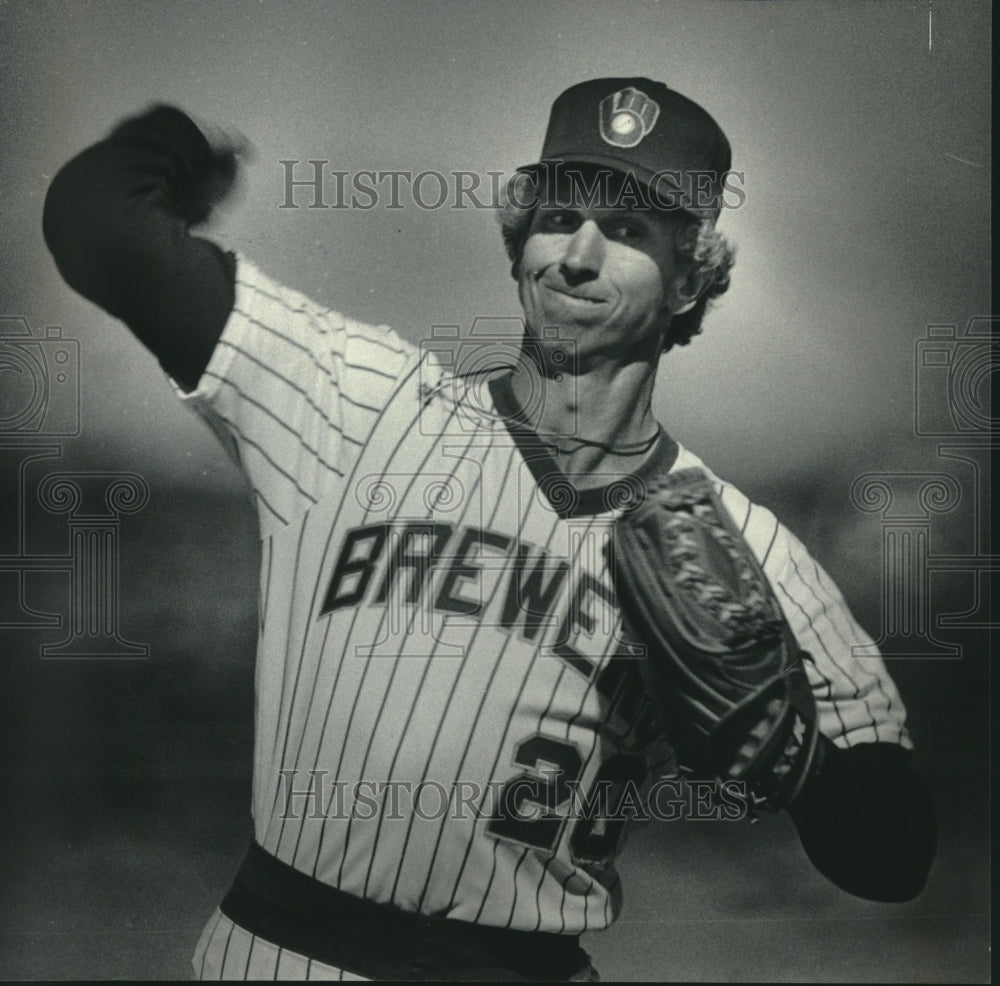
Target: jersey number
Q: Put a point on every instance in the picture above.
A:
(535, 805)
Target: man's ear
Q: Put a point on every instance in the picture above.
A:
(685, 290)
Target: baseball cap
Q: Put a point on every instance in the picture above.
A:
(670, 144)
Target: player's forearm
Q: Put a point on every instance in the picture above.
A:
(117, 218)
(867, 822)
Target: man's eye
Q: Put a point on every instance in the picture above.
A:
(624, 232)
(559, 221)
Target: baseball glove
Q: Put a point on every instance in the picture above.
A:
(720, 658)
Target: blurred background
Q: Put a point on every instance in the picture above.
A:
(840, 381)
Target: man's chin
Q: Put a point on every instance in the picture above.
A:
(553, 323)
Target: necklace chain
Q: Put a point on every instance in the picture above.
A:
(628, 449)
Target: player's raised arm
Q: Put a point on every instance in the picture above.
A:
(117, 220)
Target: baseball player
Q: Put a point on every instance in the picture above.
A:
(443, 678)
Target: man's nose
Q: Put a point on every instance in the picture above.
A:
(584, 254)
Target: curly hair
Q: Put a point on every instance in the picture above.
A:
(699, 247)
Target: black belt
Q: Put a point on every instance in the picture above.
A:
(280, 904)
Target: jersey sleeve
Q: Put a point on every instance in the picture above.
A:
(293, 390)
(856, 699)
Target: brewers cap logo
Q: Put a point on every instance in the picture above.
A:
(626, 117)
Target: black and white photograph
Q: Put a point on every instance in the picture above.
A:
(496, 492)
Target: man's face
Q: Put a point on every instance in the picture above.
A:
(606, 276)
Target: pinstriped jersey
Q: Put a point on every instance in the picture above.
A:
(441, 673)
